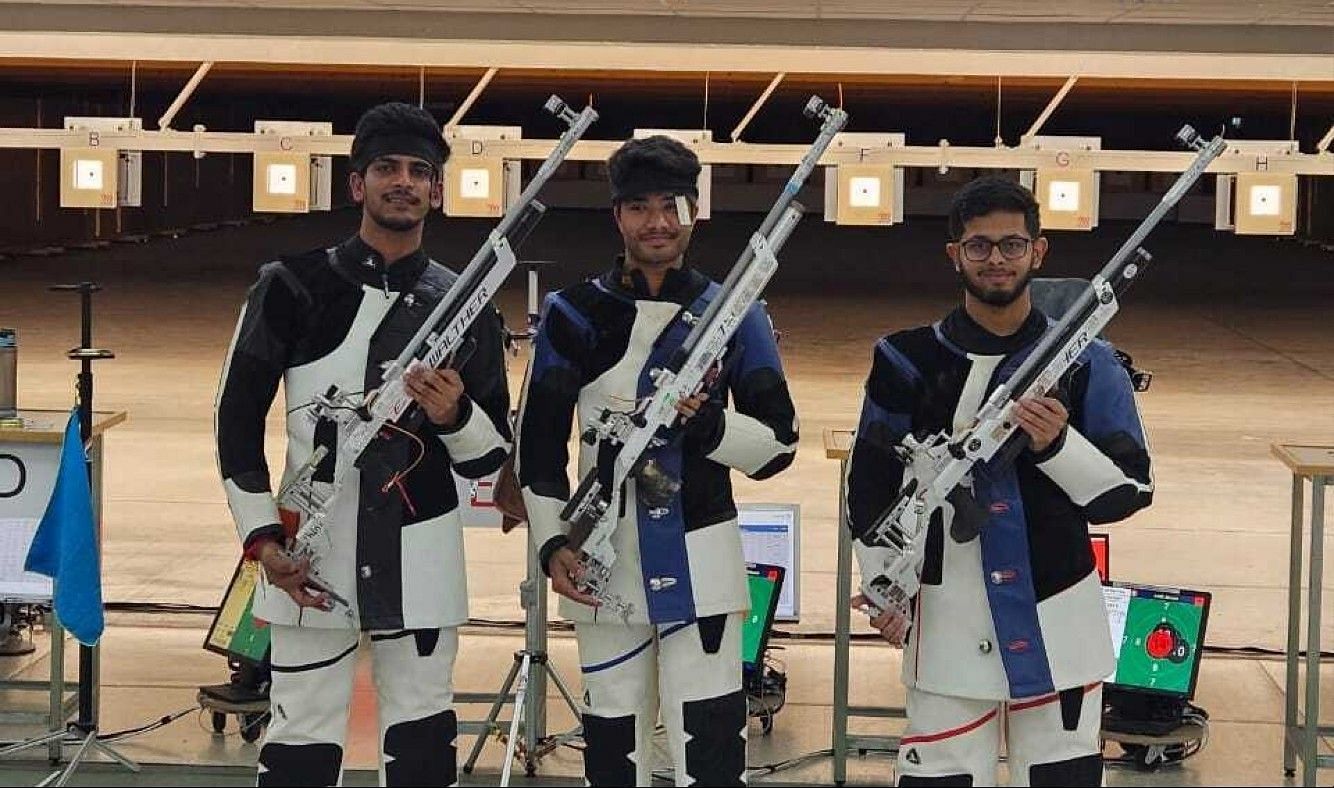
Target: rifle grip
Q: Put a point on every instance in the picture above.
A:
(969, 515)
(580, 524)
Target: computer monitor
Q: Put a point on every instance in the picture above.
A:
(234, 632)
(766, 585)
(771, 534)
(1158, 638)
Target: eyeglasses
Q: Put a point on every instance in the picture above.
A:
(978, 249)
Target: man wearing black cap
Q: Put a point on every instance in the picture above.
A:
(394, 548)
(680, 565)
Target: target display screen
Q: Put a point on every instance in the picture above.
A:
(766, 582)
(1157, 634)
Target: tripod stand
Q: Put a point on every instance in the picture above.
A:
(530, 670)
(83, 731)
(531, 666)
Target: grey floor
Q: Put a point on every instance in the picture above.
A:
(153, 667)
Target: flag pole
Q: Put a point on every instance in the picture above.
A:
(84, 729)
(82, 733)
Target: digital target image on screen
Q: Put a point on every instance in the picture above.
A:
(1157, 634)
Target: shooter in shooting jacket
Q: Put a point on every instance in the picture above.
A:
(1009, 627)
(395, 546)
(680, 564)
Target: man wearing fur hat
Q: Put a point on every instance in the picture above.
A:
(679, 653)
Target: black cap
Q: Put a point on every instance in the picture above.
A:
(398, 128)
(653, 164)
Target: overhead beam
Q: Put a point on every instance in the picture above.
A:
(1051, 106)
(931, 156)
(164, 122)
(872, 23)
(671, 57)
(472, 97)
(759, 102)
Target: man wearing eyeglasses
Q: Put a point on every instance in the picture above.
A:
(1009, 638)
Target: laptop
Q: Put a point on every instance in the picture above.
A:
(1158, 637)
(766, 585)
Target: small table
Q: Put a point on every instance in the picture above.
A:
(838, 446)
(37, 441)
(1313, 465)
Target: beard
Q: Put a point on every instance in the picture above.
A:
(993, 296)
(394, 222)
(397, 224)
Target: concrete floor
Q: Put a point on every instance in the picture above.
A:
(1251, 364)
(153, 665)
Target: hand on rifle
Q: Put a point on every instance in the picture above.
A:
(437, 391)
(892, 626)
(690, 406)
(1043, 418)
(565, 570)
(701, 420)
(290, 575)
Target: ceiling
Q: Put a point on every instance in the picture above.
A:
(1173, 55)
(1212, 12)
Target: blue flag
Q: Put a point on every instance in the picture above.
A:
(65, 545)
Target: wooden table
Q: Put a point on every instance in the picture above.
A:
(1313, 465)
(48, 426)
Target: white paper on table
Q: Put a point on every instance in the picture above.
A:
(1117, 602)
(16, 584)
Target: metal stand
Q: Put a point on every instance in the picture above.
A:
(531, 269)
(838, 445)
(531, 666)
(87, 743)
(1302, 731)
(83, 731)
(531, 669)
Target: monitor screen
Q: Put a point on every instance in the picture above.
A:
(766, 585)
(771, 534)
(235, 632)
(1158, 637)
